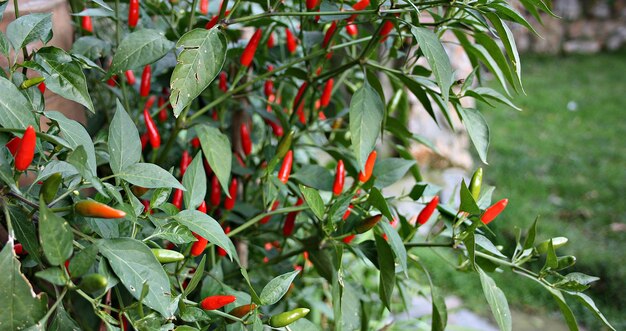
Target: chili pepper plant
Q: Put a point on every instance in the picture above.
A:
(253, 193)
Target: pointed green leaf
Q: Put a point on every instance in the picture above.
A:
(55, 236)
(497, 301)
(195, 182)
(76, 135)
(144, 46)
(28, 28)
(124, 143)
(150, 176)
(14, 110)
(216, 148)
(366, 118)
(387, 279)
(437, 58)
(205, 226)
(277, 287)
(477, 129)
(314, 200)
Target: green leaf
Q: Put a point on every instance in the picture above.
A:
(477, 129)
(75, 135)
(135, 265)
(4, 45)
(576, 281)
(197, 277)
(205, 226)
(91, 47)
(366, 117)
(53, 275)
(14, 112)
(390, 170)
(202, 58)
(55, 236)
(28, 28)
(387, 268)
(64, 76)
(149, 175)
(217, 150)
(396, 244)
(25, 232)
(468, 204)
(314, 200)
(21, 308)
(277, 287)
(139, 48)
(530, 238)
(437, 58)
(195, 182)
(484, 93)
(78, 158)
(497, 301)
(83, 260)
(174, 232)
(124, 143)
(62, 321)
(315, 176)
(487, 245)
(377, 200)
(591, 306)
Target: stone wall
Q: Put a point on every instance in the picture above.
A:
(584, 26)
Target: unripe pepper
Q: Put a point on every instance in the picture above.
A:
(229, 203)
(223, 84)
(340, 177)
(365, 175)
(288, 317)
(90, 208)
(185, 160)
(177, 199)
(133, 13)
(217, 301)
(204, 7)
(198, 246)
(557, 242)
(93, 282)
(298, 99)
(290, 220)
(146, 78)
(151, 128)
(329, 34)
(166, 255)
(26, 149)
(13, 145)
(248, 53)
(50, 187)
(32, 82)
(285, 169)
(86, 24)
(130, 77)
(476, 183)
(328, 89)
(240, 311)
(291, 41)
(216, 192)
(246, 142)
(368, 224)
(285, 144)
(138, 191)
(492, 212)
(268, 217)
(427, 212)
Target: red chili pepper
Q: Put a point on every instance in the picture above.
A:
(163, 111)
(299, 95)
(347, 213)
(290, 220)
(198, 246)
(229, 203)
(321, 116)
(365, 175)
(153, 132)
(329, 34)
(146, 78)
(248, 53)
(311, 4)
(144, 140)
(90, 208)
(246, 142)
(146, 205)
(427, 212)
(268, 87)
(328, 89)
(352, 29)
(195, 142)
(111, 81)
(177, 199)
(216, 301)
(291, 41)
(216, 192)
(359, 6)
(185, 160)
(133, 13)
(19, 249)
(223, 85)
(276, 128)
(492, 212)
(285, 169)
(204, 7)
(220, 250)
(348, 239)
(270, 41)
(86, 24)
(13, 145)
(130, 77)
(300, 113)
(384, 31)
(211, 23)
(42, 87)
(202, 208)
(340, 177)
(26, 149)
(268, 217)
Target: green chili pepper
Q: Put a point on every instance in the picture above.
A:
(288, 317)
(167, 256)
(93, 282)
(476, 183)
(31, 82)
(557, 242)
(284, 145)
(50, 187)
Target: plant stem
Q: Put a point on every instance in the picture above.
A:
(259, 217)
(429, 244)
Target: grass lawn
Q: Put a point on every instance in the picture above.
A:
(567, 165)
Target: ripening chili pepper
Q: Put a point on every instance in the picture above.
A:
(352, 30)
(427, 212)
(163, 112)
(166, 255)
(133, 13)
(146, 79)
(202, 208)
(329, 34)
(365, 175)
(50, 187)
(268, 217)
(130, 77)
(220, 250)
(216, 192)
(198, 246)
(290, 220)
(291, 41)
(93, 282)
(268, 87)
(177, 199)
(13, 145)
(185, 160)
(368, 224)
(298, 99)
(288, 317)
(204, 7)
(248, 53)
(476, 183)
(86, 24)
(340, 177)
(328, 89)
(151, 128)
(229, 203)
(90, 208)
(246, 142)
(492, 212)
(240, 311)
(138, 191)
(285, 169)
(26, 149)
(311, 4)
(270, 41)
(384, 31)
(217, 301)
